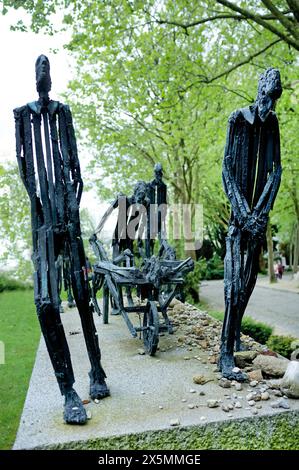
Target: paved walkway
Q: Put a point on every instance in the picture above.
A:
(275, 304)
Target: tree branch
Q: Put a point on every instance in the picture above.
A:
(233, 67)
(257, 19)
(288, 24)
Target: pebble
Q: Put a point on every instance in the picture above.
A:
(250, 396)
(258, 406)
(224, 383)
(277, 393)
(283, 404)
(238, 387)
(203, 418)
(238, 404)
(212, 403)
(141, 352)
(236, 370)
(184, 400)
(230, 406)
(160, 407)
(96, 401)
(225, 408)
(253, 383)
(251, 403)
(202, 393)
(142, 392)
(88, 414)
(192, 390)
(265, 395)
(191, 406)
(174, 422)
(254, 411)
(186, 358)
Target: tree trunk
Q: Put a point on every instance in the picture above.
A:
(271, 273)
(296, 250)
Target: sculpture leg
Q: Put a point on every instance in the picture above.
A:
(249, 281)
(232, 289)
(98, 387)
(47, 305)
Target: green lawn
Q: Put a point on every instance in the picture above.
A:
(19, 331)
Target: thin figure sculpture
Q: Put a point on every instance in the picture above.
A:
(251, 178)
(50, 170)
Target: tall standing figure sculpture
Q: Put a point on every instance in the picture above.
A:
(49, 167)
(251, 178)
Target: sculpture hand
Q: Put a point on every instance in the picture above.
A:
(256, 225)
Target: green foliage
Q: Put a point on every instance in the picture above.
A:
(7, 283)
(212, 269)
(15, 230)
(20, 333)
(257, 330)
(191, 286)
(281, 344)
(148, 89)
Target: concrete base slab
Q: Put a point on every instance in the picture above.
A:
(147, 393)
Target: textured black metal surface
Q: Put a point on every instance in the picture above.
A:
(50, 170)
(251, 177)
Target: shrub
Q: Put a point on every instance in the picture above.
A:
(7, 283)
(259, 331)
(191, 286)
(281, 344)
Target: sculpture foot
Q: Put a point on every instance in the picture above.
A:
(226, 366)
(98, 389)
(115, 311)
(74, 411)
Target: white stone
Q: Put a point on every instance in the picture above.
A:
(251, 403)
(290, 381)
(238, 405)
(174, 422)
(236, 370)
(238, 387)
(253, 383)
(192, 390)
(212, 403)
(265, 396)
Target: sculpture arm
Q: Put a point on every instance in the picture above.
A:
(238, 202)
(267, 197)
(74, 160)
(112, 206)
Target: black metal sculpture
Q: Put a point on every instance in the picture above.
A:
(251, 177)
(157, 280)
(50, 170)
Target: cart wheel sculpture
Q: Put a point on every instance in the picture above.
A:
(151, 331)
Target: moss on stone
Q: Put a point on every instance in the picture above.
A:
(280, 431)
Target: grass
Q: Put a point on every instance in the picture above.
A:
(20, 332)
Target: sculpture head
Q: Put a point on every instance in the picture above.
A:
(42, 74)
(269, 91)
(158, 172)
(140, 193)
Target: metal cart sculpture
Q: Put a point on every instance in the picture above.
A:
(50, 170)
(251, 178)
(157, 280)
